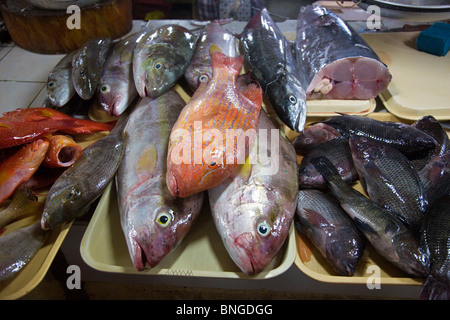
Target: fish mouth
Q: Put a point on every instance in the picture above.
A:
(141, 257)
(248, 261)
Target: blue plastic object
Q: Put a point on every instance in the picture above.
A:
(435, 39)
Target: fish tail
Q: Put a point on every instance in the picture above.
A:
(23, 203)
(253, 92)
(435, 289)
(221, 59)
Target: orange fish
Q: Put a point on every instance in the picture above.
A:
(202, 150)
(62, 152)
(19, 168)
(25, 125)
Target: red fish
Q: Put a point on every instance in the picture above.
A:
(198, 155)
(19, 168)
(62, 152)
(26, 125)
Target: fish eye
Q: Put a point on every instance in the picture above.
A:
(212, 164)
(51, 84)
(71, 194)
(264, 229)
(292, 99)
(164, 219)
(105, 88)
(158, 66)
(203, 78)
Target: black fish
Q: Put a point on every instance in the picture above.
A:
(322, 220)
(436, 241)
(386, 233)
(435, 177)
(272, 62)
(389, 179)
(409, 140)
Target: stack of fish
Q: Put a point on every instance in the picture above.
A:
(404, 171)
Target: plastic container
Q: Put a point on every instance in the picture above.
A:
(420, 81)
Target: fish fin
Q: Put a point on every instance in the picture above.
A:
(364, 227)
(314, 218)
(234, 63)
(435, 289)
(253, 92)
(244, 170)
(325, 167)
(214, 48)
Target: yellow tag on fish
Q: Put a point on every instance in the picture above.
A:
(4, 126)
(244, 170)
(147, 160)
(46, 113)
(214, 48)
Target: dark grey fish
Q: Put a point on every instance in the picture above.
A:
(60, 87)
(161, 58)
(213, 37)
(338, 152)
(389, 179)
(325, 223)
(313, 136)
(409, 140)
(19, 247)
(337, 62)
(272, 62)
(387, 234)
(436, 241)
(80, 185)
(435, 177)
(87, 66)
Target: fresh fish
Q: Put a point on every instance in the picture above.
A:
(18, 168)
(320, 217)
(219, 111)
(212, 38)
(314, 135)
(272, 62)
(76, 188)
(153, 221)
(338, 152)
(117, 90)
(253, 209)
(389, 179)
(60, 87)
(63, 151)
(337, 62)
(431, 126)
(23, 203)
(26, 125)
(435, 177)
(19, 247)
(87, 66)
(436, 241)
(161, 58)
(386, 233)
(409, 140)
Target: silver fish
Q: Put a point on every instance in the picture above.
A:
(161, 58)
(272, 62)
(60, 87)
(87, 66)
(153, 221)
(19, 247)
(337, 62)
(212, 37)
(116, 90)
(254, 209)
(320, 217)
(80, 185)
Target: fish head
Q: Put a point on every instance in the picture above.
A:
(412, 256)
(160, 223)
(289, 98)
(346, 251)
(314, 135)
(365, 149)
(63, 203)
(255, 234)
(114, 96)
(309, 177)
(196, 75)
(159, 67)
(59, 89)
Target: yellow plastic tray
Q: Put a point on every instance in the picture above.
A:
(420, 81)
(200, 254)
(309, 260)
(34, 271)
